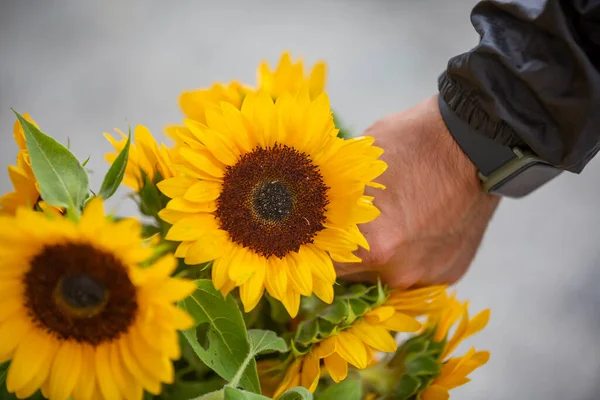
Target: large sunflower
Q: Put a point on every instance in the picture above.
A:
(146, 157)
(27, 192)
(455, 370)
(289, 76)
(272, 195)
(79, 317)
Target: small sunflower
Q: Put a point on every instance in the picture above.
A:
(357, 345)
(79, 317)
(146, 157)
(27, 191)
(272, 195)
(455, 370)
(289, 77)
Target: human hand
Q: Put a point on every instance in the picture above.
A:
(433, 213)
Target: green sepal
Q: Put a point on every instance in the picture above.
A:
(116, 172)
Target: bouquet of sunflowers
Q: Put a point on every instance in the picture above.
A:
(227, 289)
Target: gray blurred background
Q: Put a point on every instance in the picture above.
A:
(83, 68)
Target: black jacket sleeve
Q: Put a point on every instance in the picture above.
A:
(534, 79)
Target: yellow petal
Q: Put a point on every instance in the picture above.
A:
(345, 257)
(335, 240)
(290, 378)
(28, 360)
(435, 392)
(203, 191)
(207, 248)
(323, 290)
(65, 370)
(291, 301)
(159, 271)
(39, 380)
(149, 383)
(242, 264)
(375, 336)
(10, 306)
(319, 261)
(219, 271)
(86, 384)
(478, 322)
(12, 331)
(176, 186)
(352, 349)
(379, 314)
(182, 205)
(311, 372)
(317, 79)
(106, 382)
(300, 275)
(327, 347)
(173, 289)
(252, 290)
(337, 367)
(151, 361)
(222, 147)
(400, 322)
(129, 388)
(276, 278)
(93, 216)
(202, 160)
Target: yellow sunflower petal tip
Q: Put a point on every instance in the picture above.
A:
(289, 76)
(77, 318)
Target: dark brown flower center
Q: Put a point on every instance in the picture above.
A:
(273, 201)
(79, 292)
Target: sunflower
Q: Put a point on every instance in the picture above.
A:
(289, 77)
(354, 346)
(79, 317)
(455, 370)
(357, 345)
(272, 196)
(146, 157)
(27, 192)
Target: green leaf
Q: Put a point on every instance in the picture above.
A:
(218, 395)
(346, 390)
(184, 390)
(228, 342)
(116, 172)
(236, 394)
(407, 387)
(336, 313)
(422, 365)
(62, 180)
(307, 332)
(359, 307)
(151, 200)
(297, 393)
(263, 342)
(83, 164)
